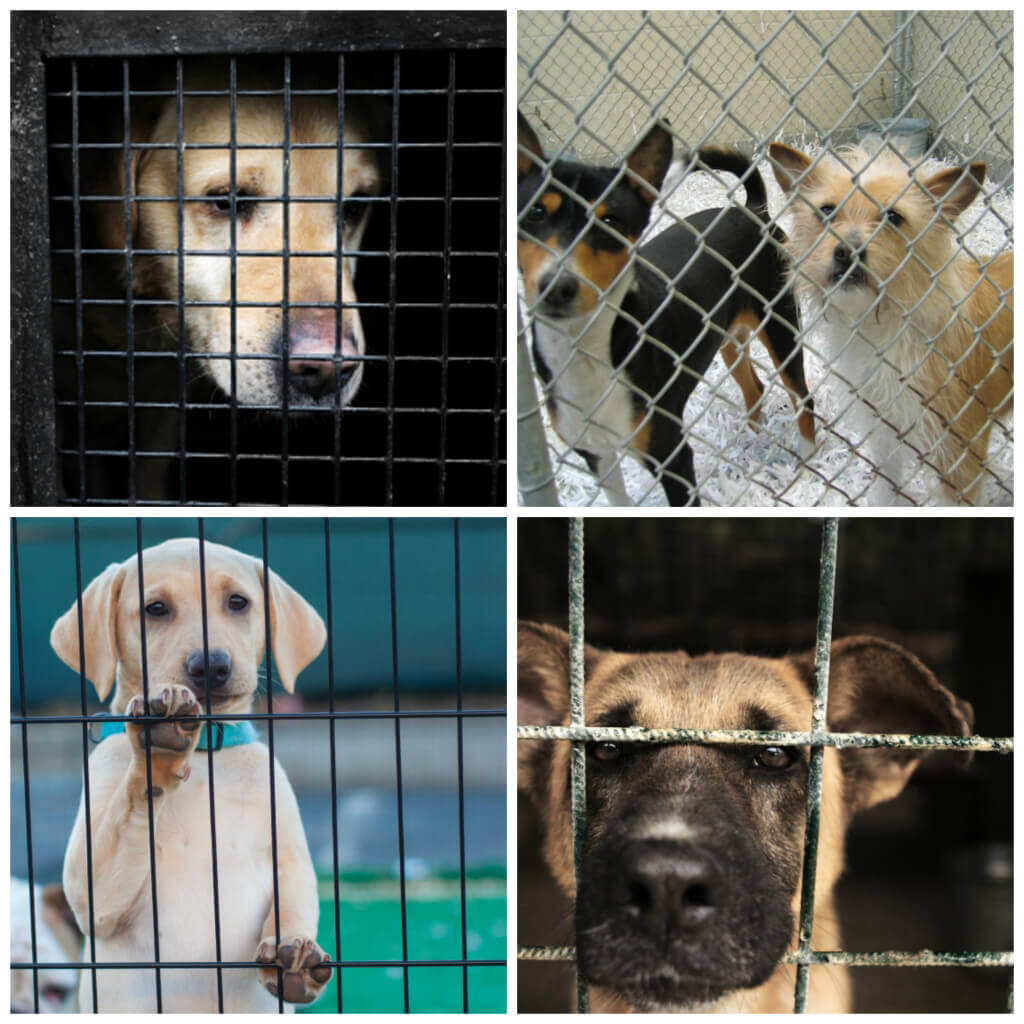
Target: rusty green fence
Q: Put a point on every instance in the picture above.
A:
(817, 739)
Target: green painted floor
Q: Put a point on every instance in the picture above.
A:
(371, 929)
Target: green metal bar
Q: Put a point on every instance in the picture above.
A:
(578, 763)
(749, 737)
(893, 958)
(819, 726)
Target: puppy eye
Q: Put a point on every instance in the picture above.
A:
(613, 222)
(536, 213)
(157, 609)
(238, 603)
(894, 218)
(774, 759)
(827, 211)
(606, 751)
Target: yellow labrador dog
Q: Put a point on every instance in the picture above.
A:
(160, 763)
(322, 368)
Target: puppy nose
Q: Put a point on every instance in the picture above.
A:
(669, 889)
(220, 669)
(558, 290)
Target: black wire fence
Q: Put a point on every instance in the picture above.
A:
(273, 276)
(340, 961)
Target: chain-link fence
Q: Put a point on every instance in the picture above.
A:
(860, 297)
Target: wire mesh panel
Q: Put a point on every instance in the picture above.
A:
(812, 302)
(277, 274)
(605, 690)
(350, 830)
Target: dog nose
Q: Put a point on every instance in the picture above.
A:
(670, 889)
(220, 669)
(314, 377)
(558, 290)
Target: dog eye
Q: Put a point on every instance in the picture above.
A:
(157, 609)
(220, 203)
(536, 213)
(353, 212)
(238, 603)
(775, 759)
(894, 218)
(613, 222)
(606, 751)
(827, 211)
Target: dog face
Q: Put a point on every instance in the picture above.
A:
(578, 231)
(172, 606)
(690, 881)
(867, 236)
(322, 369)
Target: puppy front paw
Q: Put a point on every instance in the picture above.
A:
(169, 742)
(301, 974)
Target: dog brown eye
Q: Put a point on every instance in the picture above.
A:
(894, 218)
(157, 609)
(774, 758)
(607, 751)
(237, 603)
(220, 203)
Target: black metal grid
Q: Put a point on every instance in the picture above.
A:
(138, 419)
(22, 721)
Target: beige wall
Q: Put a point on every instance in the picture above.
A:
(744, 77)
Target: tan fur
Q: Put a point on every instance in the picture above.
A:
(942, 321)
(320, 277)
(673, 690)
(120, 916)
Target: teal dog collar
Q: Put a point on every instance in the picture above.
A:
(225, 734)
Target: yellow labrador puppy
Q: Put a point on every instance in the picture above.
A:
(160, 763)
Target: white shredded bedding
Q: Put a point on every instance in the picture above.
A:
(740, 466)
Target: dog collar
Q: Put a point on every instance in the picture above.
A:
(225, 734)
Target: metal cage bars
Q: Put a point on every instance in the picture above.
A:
(23, 721)
(817, 739)
(447, 305)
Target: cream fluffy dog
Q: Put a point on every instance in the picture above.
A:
(127, 771)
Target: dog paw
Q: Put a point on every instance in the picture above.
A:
(171, 741)
(301, 974)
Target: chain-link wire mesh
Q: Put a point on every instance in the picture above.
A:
(897, 254)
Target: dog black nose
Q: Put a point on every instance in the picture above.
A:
(670, 888)
(220, 669)
(314, 377)
(558, 290)
(842, 256)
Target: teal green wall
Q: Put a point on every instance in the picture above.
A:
(360, 591)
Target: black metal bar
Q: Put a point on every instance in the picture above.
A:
(398, 764)
(447, 272)
(285, 279)
(179, 73)
(233, 326)
(129, 241)
(392, 283)
(76, 206)
(204, 614)
(459, 762)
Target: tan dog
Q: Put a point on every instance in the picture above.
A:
(126, 768)
(690, 885)
(918, 334)
(57, 940)
(322, 369)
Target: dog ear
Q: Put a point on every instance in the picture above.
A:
(99, 628)
(543, 689)
(956, 188)
(527, 140)
(876, 686)
(792, 168)
(297, 633)
(650, 161)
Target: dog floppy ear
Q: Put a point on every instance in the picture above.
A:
(876, 686)
(297, 633)
(99, 628)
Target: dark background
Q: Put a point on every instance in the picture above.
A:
(930, 870)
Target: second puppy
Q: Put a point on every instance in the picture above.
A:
(917, 333)
(622, 343)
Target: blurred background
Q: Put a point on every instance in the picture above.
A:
(930, 870)
(414, 663)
